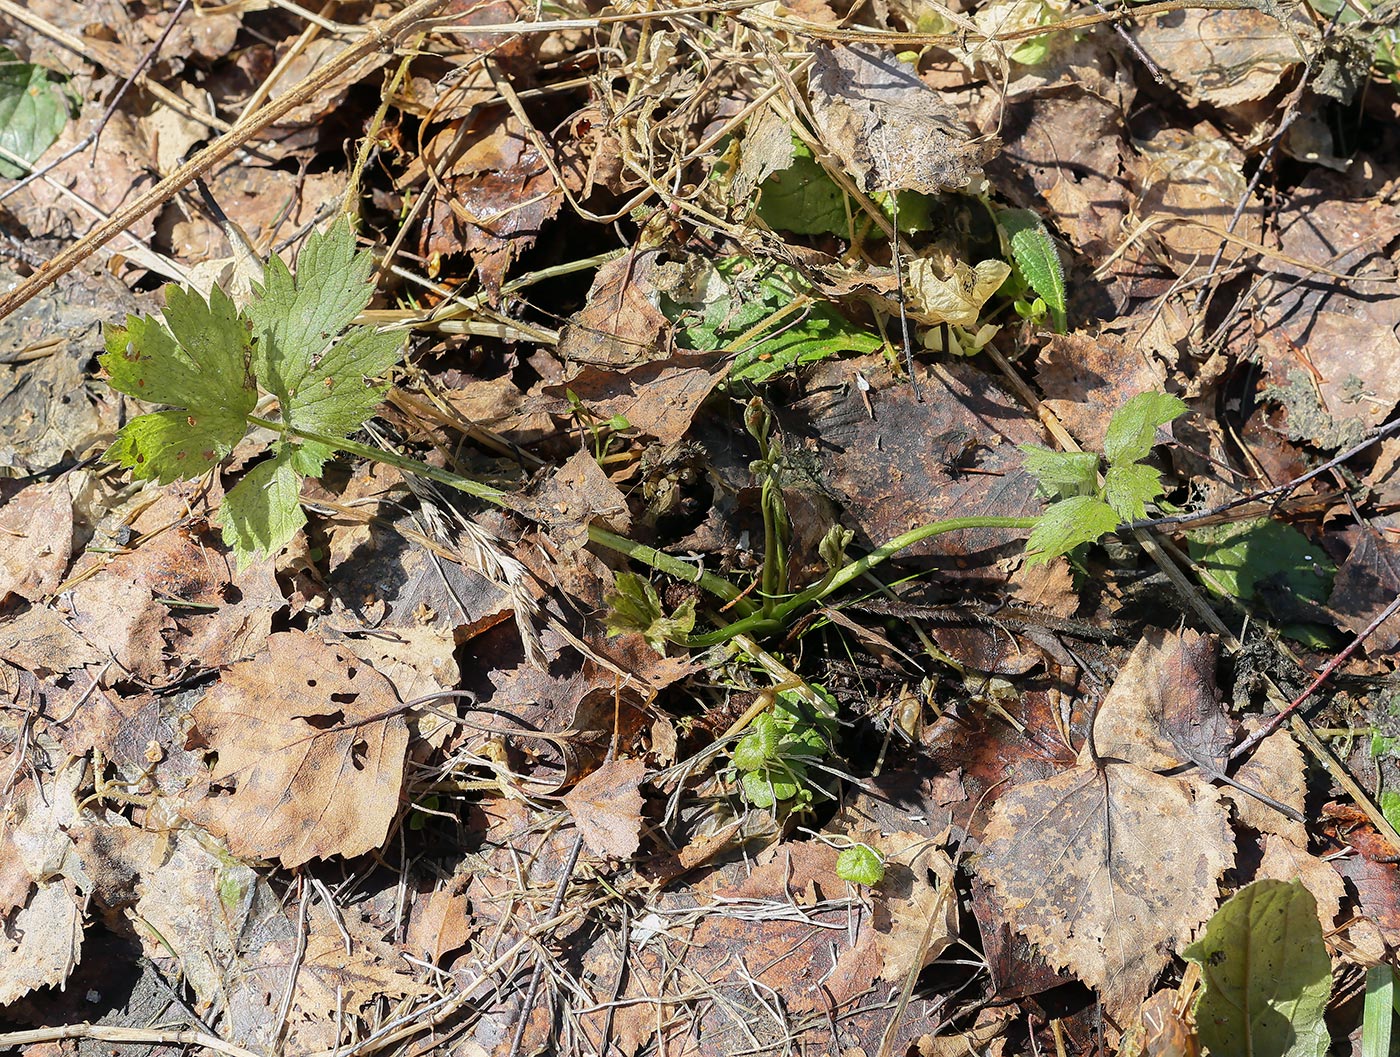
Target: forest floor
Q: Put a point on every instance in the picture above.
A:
(776, 528)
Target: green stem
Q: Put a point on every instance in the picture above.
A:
(497, 496)
(860, 567)
(672, 566)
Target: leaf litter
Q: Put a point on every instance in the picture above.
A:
(348, 760)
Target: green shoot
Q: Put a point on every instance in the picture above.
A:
(1378, 1013)
(1084, 511)
(1035, 255)
(860, 864)
(773, 758)
(209, 362)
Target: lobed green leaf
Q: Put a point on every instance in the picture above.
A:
(1062, 474)
(1067, 524)
(1132, 431)
(1129, 487)
(263, 511)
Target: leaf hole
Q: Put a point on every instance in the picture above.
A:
(348, 698)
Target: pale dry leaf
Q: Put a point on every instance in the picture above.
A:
(215, 917)
(916, 900)
(607, 808)
(1285, 861)
(40, 943)
(36, 538)
(1163, 710)
(956, 298)
(310, 749)
(1275, 768)
(1107, 870)
(890, 129)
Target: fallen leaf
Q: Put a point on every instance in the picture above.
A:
(620, 323)
(1223, 58)
(607, 808)
(310, 754)
(890, 129)
(1107, 870)
(36, 538)
(214, 918)
(1163, 709)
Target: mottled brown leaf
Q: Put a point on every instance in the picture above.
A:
(1107, 870)
(890, 129)
(310, 753)
(607, 808)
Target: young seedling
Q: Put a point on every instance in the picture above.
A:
(212, 364)
(774, 757)
(1083, 510)
(1038, 261)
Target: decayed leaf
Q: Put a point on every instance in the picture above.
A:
(39, 946)
(1276, 768)
(36, 538)
(1107, 870)
(42, 925)
(1108, 867)
(889, 128)
(215, 918)
(607, 808)
(308, 740)
(1163, 709)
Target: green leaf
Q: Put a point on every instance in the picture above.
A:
(1067, 524)
(860, 865)
(298, 319)
(1132, 431)
(197, 363)
(1266, 972)
(634, 605)
(764, 787)
(739, 294)
(33, 110)
(1241, 558)
(1378, 1014)
(803, 199)
(263, 511)
(1035, 255)
(1062, 474)
(1130, 487)
(1390, 806)
(759, 746)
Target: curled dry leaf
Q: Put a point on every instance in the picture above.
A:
(310, 752)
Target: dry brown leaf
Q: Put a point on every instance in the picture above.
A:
(1276, 768)
(1222, 57)
(890, 129)
(43, 930)
(36, 538)
(216, 918)
(607, 808)
(1163, 709)
(620, 323)
(311, 749)
(40, 943)
(1107, 869)
(1286, 861)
